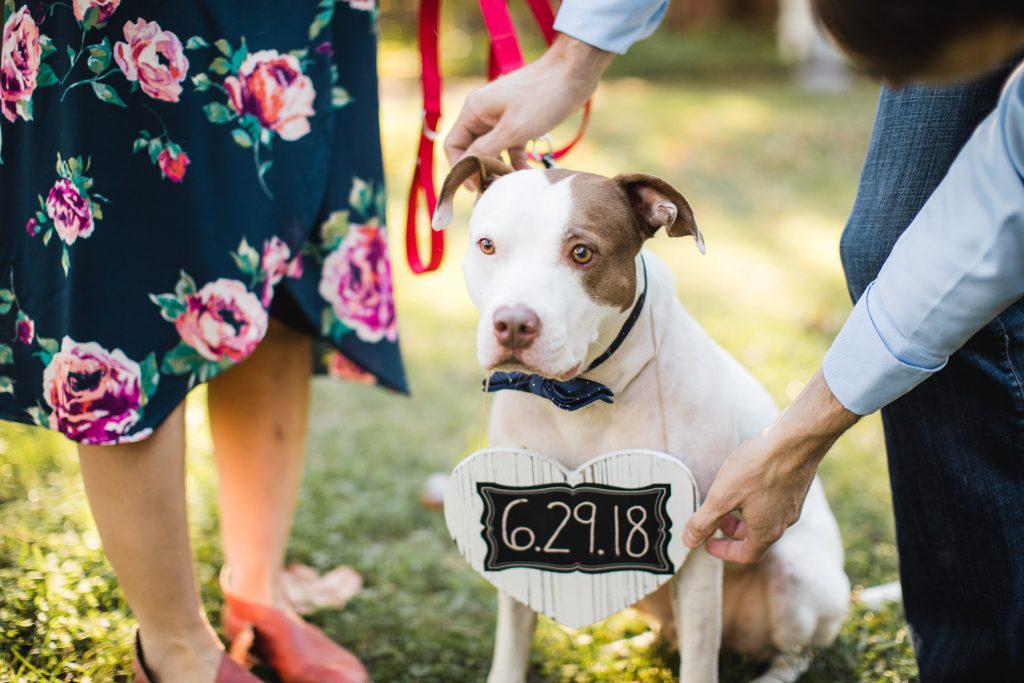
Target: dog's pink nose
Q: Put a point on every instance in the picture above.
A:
(516, 327)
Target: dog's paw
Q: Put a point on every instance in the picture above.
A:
(785, 668)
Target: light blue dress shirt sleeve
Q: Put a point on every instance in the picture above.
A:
(958, 265)
(611, 25)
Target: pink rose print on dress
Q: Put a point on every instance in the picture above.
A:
(95, 396)
(69, 211)
(20, 54)
(275, 258)
(267, 94)
(223, 320)
(272, 87)
(275, 266)
(164, 153)
(104, 7)
(153, 57)
(219, 325)
(173, 167)
(70, 208)
(25, 328)
(356, 281)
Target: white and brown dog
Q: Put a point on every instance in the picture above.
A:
(555, 270)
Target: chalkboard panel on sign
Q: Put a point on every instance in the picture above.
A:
(564, 509)
(589, 528)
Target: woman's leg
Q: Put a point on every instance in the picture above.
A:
(137, 495)
(258, 414)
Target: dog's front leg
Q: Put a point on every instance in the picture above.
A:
(696, 594)
(512, 641)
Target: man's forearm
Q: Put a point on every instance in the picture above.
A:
(580, 63)
(813, 422)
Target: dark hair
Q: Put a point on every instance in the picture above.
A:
(899, 38)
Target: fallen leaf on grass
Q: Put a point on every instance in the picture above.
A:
(307, 590)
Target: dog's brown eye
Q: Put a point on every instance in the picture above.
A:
(486, 246)
(582, 254)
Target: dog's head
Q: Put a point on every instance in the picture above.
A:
(552, 257)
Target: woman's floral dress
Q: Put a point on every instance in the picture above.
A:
(172, 174)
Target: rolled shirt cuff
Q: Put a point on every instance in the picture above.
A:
(870, 363)
(609, 26)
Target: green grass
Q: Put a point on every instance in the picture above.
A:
(770, 172)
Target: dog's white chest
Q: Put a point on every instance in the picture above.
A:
(576, 545)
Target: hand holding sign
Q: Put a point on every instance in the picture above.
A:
(767, 477)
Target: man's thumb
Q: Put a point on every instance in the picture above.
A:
(701, 526)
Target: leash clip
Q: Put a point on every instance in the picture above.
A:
(547, 158)
(428, 133)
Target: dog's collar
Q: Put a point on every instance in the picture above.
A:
(578, 392)
(627, 326)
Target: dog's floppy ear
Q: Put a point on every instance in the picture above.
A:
(484, 170)
(659, 205)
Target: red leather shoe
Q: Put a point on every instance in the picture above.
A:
(298, 651)
(229, 671)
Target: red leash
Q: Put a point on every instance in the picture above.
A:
(423, 174)
(505, 56)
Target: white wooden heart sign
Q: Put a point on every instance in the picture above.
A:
(575, 545)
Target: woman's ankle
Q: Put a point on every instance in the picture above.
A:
(191, 657)
(260, 588)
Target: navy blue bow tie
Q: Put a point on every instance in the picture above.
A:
(571, 394)
(576, 393)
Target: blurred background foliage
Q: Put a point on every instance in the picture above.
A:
(742, 32)
(770, 166)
